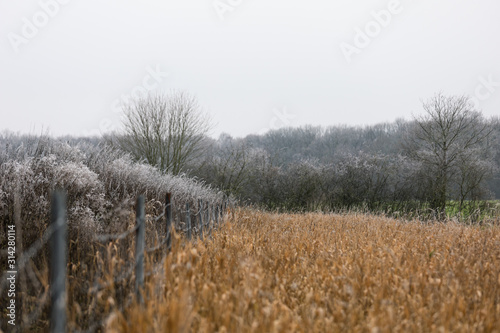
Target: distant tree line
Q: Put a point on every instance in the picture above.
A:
(449, 154)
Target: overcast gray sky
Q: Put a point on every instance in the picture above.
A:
(252, 64)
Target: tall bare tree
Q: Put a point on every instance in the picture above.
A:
(447, 139)
(165, 130)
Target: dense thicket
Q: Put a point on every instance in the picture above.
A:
(101, 183)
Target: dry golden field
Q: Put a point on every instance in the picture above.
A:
(325, 273)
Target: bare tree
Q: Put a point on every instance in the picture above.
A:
(225, 164)
(446, 139)
(164, 130)
(471, 177)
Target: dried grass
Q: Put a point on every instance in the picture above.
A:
(325, 273)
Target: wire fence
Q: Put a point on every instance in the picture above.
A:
(199, 224)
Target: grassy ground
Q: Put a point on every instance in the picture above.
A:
(324, 273)
(474, 211)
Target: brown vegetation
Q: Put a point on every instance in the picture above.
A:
(324, 273)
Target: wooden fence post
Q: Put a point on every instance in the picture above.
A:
(168, 217)
(58, 263)
(188, 221)
(200, 217)
(139, 248)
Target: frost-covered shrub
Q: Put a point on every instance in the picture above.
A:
(101, 186)
(86, 197)
(33, 180)
(125, 179)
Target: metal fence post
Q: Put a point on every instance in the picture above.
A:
(209, 220)
(217, 215)
(58, 263)
(200, 217)
(188, 221)
(168, 217)
(139, 247)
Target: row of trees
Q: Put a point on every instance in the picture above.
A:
(451, 152)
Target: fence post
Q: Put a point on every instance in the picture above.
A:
(168, 217)
(188, 221)
(209, 220)
(139, 248)
(58, 263)
(200, 217)
(220, 213)
(217, 215)
(232, 208)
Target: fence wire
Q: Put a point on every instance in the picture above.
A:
(209, 219)
(159, 246)
(28, 254)
(115, 237)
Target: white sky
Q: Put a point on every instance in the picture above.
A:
(267, 64)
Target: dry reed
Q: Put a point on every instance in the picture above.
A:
(325, 273)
